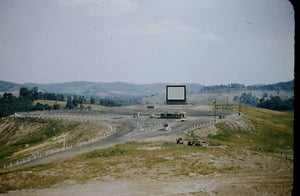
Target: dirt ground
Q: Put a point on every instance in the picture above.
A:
(215, 184)
(237, 174)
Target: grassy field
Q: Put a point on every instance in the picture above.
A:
(262, 146)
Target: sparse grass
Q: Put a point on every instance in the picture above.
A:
(128, 161)
(107, 153)
(114, 162)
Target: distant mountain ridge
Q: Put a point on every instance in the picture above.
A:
(121, 89)
(97, 89)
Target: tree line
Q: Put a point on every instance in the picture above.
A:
(10, 104)
(281, 86)
(268, 102)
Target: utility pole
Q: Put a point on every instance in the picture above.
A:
(240, 102)
(215, 108)
(226, 105)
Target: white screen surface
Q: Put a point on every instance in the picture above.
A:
(176, 93)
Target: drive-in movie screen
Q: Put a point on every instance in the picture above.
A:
(176, 93)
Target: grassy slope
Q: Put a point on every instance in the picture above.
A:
(168, 160)
(21, 137)
(268, 131)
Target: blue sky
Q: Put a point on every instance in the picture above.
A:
(140, 41)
